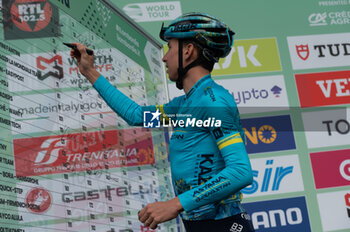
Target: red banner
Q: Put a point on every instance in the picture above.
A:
(323, 89)
(82, 152)
(331, 168)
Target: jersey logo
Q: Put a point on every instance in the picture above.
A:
(204, 165)
(218, 133)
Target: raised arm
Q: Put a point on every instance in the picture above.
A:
(126, 108)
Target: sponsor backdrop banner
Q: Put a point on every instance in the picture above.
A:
(289, 73)
(67, 161)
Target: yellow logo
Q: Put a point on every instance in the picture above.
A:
(266, 134)
(250, 56)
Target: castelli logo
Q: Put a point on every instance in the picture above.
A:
(39, 197)
(31, 15)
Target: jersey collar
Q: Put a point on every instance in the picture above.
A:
(197, 85)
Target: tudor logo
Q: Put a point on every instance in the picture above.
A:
(303, 51)
(50, 152)
(319, 51)
(57, 66)
(31, 15)
(39, 197)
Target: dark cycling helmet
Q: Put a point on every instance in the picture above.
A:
(213, 36)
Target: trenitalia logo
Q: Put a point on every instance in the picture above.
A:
(250, 56)
(319, 51)
(337, 164)
(323, 89)
(82, 151)
(51, 150)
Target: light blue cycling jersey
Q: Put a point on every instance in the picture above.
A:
(209, 163)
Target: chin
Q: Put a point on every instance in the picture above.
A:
(173, 79)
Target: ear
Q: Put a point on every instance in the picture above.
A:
(189, 52)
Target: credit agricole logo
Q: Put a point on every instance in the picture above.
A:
(250, 56)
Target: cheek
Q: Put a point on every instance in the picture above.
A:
(173, 57)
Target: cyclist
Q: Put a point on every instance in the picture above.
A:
(209, 163)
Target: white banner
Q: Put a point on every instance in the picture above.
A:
(327, 128)
(319, 51)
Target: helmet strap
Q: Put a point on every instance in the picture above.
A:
(182, 71)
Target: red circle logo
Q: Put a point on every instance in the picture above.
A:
(39, 197)
(32, 15)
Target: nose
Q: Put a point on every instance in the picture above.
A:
(164, 59)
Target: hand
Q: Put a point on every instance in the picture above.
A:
(158, 212)
(85, 63)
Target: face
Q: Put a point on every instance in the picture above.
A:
(171, 59)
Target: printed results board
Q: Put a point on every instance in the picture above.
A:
(67, 161)
(289, 74)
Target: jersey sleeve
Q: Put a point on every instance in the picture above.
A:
(230, 141)
(126, 108)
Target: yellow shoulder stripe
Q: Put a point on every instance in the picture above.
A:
(229, 142)
(228, 138)
(236, 138)
(161, 108)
